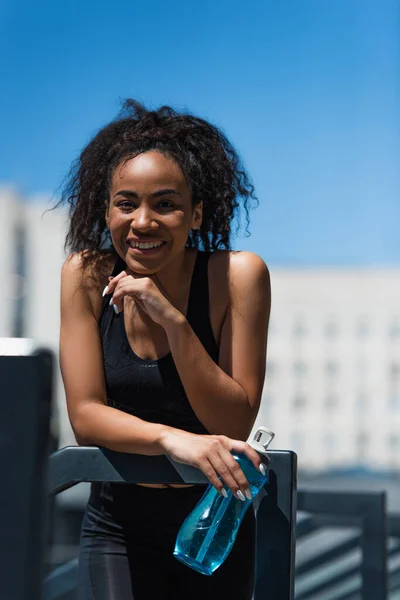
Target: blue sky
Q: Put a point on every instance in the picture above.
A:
(307, 91)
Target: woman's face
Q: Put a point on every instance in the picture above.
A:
(150, 211)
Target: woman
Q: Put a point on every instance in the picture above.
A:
(162, 346)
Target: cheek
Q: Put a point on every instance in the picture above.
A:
(117, 220)
(178, 221)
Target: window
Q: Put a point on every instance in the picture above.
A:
(299, 401)
(394, 402)
(331, 328)
(362, 442)
(271, 370)
(300, 326)
(394, 329)
(299, 369)
(332, 368)
(18, 282)
(394, 442)
(363, 329)
(394, 373)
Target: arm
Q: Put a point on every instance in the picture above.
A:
(226, 397)
(93, 422)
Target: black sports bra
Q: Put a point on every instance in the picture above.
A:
(152, 389)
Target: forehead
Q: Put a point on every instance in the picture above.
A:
(148, 169)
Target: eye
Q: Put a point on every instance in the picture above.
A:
(165, 204)
(126, 204)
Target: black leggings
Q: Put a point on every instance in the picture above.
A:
(128, 537)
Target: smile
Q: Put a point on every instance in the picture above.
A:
(145, 247)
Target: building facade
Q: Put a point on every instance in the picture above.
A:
(332, 390)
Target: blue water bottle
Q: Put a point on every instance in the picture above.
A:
(208, 533)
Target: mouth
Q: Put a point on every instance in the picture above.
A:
(144, 248)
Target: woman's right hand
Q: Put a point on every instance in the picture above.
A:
(212, 455)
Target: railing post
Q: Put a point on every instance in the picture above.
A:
(374, 549)
(276, 522)
(26, 386)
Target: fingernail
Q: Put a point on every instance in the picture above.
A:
(111, 301)
(241, 496)
(105, 291)
(263, 470)
(224, 493)
(115, 309)
(247, 493)
(110, 278)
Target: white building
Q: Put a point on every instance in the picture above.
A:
(332, 391)
(10, 254)
(44, 255)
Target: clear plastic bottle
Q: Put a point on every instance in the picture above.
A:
(209, 532)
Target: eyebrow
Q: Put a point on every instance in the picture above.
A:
(157, 194)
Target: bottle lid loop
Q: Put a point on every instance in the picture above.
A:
(262, 439)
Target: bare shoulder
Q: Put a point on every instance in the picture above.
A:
(72, 269)
(86, 274)
(243, 272)
(88, 269)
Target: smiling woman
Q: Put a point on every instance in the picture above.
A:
(163, 343)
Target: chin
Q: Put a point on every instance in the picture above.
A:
(142, 269)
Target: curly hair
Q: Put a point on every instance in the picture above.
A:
(208, 160)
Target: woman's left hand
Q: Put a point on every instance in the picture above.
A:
(148, 294)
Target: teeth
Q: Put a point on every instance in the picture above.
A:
(146, 245)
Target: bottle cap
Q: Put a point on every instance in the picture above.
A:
(261, 439)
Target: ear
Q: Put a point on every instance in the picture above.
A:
(107, 212)
(197, 217)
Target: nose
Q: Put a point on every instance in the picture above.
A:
(143, 219)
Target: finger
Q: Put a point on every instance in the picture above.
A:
(244, 448)
(109, 289)
(241, 487)
(225, 474)
(105, 291)
(209, 471)
(125, 287)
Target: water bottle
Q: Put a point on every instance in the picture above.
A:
(209, 532)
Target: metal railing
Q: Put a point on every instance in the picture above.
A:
(24, 445)
(365, 512)
(276, 511)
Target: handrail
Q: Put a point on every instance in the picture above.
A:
(76, 464)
